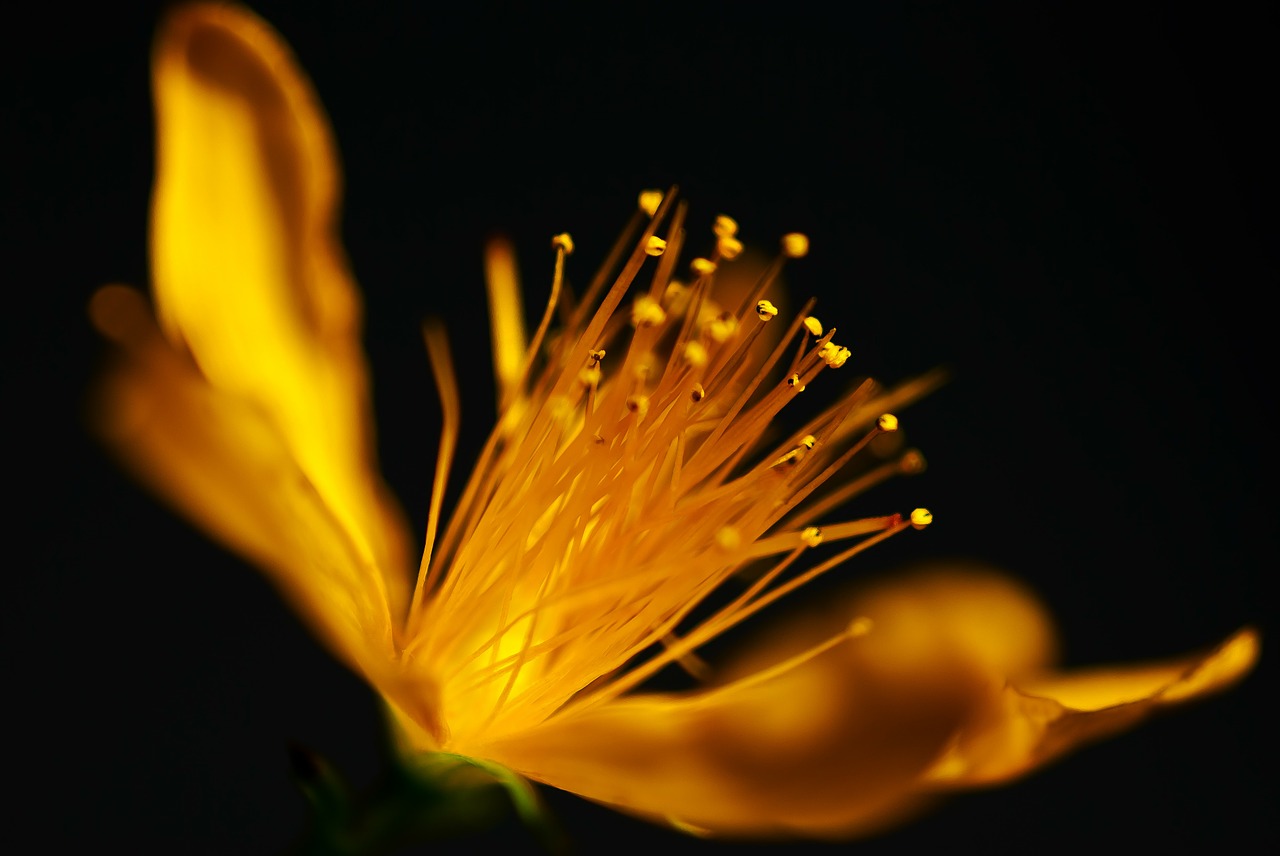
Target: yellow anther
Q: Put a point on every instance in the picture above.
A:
(676, 297)
(703, 267)
(860, 626)
(728, 538)
(729, 247)
(723, 327)
(650, 200)
(563, 242)
(725, 227)
(794, 383)
(813, 325)
(656, 246)
(921, 518)
(811, 536)
(595, 356)
(808, 441)
(795, 245)
(695, 354)
(766, 310)
(638, 404)
(590, 376)
(912, 462)
(887, 423)
(833, 355)
(647, 312)
(698, 393)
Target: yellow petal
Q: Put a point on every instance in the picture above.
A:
(223, 463)
(832, 745)
(247, 269)
(1031, 723)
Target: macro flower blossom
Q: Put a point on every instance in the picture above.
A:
(637, 499)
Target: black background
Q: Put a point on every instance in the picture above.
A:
(1070, 208)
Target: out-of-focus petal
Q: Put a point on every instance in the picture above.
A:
(247, 269)
(831, 746)
(1032, 722)
(220, 460)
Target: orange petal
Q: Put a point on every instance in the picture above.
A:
(1031, 723)
(247, 269)
(831, 745)
(220, 460)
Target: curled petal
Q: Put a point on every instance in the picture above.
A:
(247, 269)
(1031, 723)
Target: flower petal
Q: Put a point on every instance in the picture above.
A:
(1031, 723)
(831, 745)
(248, 272)
(220, 460)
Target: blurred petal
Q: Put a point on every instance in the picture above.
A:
(247, 268)
(833, 745)
(1030, 724)
(222, 462)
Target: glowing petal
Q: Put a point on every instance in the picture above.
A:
(247, 270)
(218, 459)
(833, 745)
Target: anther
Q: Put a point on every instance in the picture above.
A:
(729, 247)
(695, 354)
(766, 310)
(650, 200)
(676, 297)
(590, 376)
(703, 267)
(813, 325)
(595, 356)
(723, 327)
(638, 404)
(725, 227)
(921, 517)
(860, 626)
(728, 538)
(647, 312)
(794, 383)
(833, 355)
(563, 242)
(809, 441)
(811, 536)
(698, 393)
(795, 245)
(656, 246)
(888, 423)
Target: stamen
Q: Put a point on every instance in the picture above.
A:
(447, 386)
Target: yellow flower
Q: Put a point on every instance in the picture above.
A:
(633, 479)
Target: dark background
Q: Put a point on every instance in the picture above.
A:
(1071, 208)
